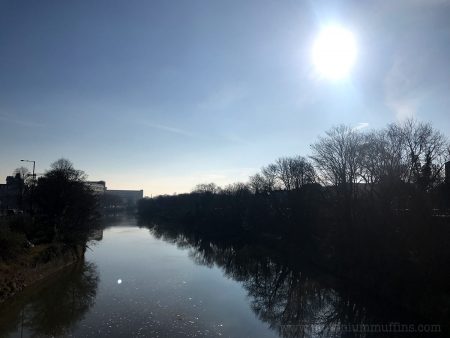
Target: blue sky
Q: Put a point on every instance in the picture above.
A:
(162, 95)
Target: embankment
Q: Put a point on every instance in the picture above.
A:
(36, 264)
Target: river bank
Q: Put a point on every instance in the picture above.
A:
(36, 264)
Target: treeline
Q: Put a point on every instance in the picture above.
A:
(59, 212)
(399, 170)
(369, 207)
(392, 164)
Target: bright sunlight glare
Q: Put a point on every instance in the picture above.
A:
(334, 52)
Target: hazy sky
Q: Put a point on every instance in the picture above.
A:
(161, 95)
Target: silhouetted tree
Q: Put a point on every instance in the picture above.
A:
(257, 184)
(236, 189)
(426, 151)
(65, 204)
(211, 188)
(338, 157)
(294, 172)
(22, 172)
(269, 173)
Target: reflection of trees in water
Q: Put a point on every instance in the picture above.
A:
(291, 302)
(296, 305)
(55, 307)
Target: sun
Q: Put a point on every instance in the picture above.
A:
(334, 52)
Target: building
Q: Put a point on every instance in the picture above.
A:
(115, 198)
(127, 197)
(11, 193)
(98, 187)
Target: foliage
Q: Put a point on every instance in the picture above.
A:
(66, 207)
(12, 243)
(64, 211)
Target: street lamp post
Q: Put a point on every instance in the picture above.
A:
(34, 166)
(32, 186)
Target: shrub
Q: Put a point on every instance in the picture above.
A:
(11, 243)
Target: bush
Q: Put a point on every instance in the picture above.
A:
(11, 243)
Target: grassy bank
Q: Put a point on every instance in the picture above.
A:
(34, 264)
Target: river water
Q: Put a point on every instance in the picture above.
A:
(133, 284)
(159, 281)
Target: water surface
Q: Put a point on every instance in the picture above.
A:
(161, 281)
(133, 284)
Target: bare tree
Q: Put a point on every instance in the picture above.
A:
(22, 172)
(288, 173)
(409, 152)
(390, 154)
(425, 151)
(269, 173)
(337, 156)
(381, 157)
(210, 188)
(237, 189)
(257, 184)
(283, 172)
(65, 168)
(294, 172)
(303, 172)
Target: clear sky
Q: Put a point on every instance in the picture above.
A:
(162, 95)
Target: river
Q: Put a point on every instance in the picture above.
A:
(133, 284)
(159, 281)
